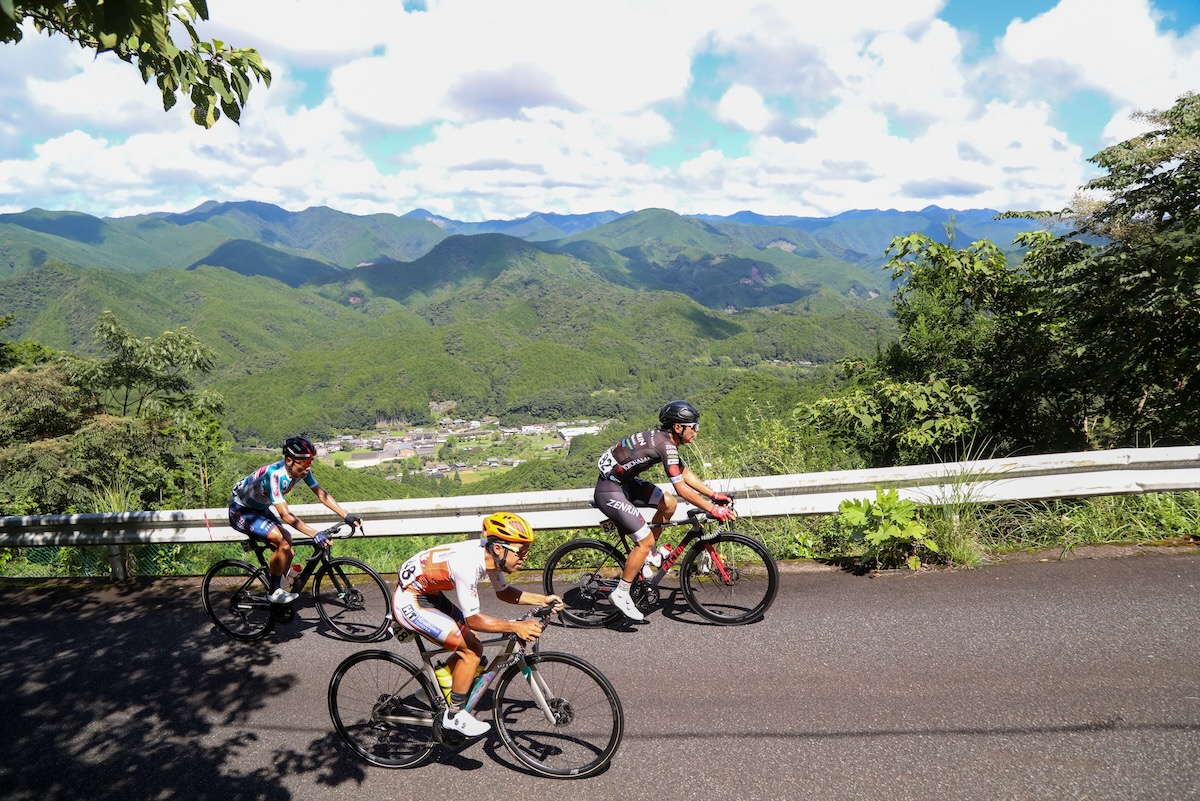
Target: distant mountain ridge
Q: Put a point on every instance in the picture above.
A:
(354, 319)
(341, 240)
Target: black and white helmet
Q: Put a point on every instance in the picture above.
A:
(679, 411)
(299, 448)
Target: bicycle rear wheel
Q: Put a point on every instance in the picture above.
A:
(235, 597)
(730, 579)
(584, 573)
(352, 599)
(379, 704)
(587, 719)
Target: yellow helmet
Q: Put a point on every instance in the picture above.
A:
(508, 527)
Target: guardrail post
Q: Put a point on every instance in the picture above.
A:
(117, 562)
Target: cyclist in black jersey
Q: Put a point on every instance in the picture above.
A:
(619, 490)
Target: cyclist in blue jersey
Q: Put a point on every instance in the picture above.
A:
(258, 504)
(619, 490)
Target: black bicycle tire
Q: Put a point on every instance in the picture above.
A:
(212, 605)
(708, 611)
(576, 598)
(375, 626)
(509, 710)
(358, 692)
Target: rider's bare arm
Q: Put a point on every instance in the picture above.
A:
(324, 497)
(704, 494)
(285, 514)
(525, 629)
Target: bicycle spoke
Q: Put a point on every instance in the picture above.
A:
(352, 599)
(732, 579)
(586, 724)
(234, 596)
(584, 573)
(381, 709)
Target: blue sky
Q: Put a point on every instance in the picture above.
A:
(495, 109)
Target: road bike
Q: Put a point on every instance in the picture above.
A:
(351, 598)
(726, 577)
(557, 714)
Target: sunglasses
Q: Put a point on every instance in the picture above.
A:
(521, 552)
(693, 426)
(302, 462)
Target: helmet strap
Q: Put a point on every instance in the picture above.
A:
(498, 558)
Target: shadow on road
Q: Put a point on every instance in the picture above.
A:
(125, 693)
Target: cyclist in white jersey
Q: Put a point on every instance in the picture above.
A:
(256, 495)
(437, 597)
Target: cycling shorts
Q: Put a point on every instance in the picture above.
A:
(617, 500)
(432, 616)
(257, 523)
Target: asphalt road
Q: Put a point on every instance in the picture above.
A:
(1075, 679)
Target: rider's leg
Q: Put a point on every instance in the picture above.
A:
(464, 662)
(281, 542)
(468, 652)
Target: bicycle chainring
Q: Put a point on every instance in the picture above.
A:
(447, 737)
(644, 594)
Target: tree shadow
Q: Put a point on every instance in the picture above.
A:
(113, 693)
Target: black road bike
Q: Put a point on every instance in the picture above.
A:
(726, 577)
(351, 598)
(557, 714)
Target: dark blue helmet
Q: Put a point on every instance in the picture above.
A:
(299, 448)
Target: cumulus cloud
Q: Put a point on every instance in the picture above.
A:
(496, 108)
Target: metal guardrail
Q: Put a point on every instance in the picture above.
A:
(1063, 475)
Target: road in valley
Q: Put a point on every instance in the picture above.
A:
(1075, 679)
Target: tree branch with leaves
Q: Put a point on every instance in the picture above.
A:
(215, 77)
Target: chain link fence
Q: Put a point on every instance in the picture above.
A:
(97, 561)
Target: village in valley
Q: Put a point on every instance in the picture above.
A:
(454, 447)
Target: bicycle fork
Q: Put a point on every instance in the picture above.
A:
(540, 691)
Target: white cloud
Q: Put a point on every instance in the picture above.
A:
(1113, 47)
(502, 107)
(744, 107)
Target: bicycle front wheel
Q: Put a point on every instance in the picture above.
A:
(379, 704)
(235, 597)
(730, 579)
(352, 599)
(584, 573)
(561, 718)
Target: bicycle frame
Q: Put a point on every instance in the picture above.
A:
(695, 532)
(513, 653)
(312, 562)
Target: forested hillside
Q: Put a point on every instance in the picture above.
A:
(601, 323)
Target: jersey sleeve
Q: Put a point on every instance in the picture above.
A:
(672, 464)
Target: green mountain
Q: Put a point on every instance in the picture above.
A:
(203, 235)
(496, 324)
(250, 258)
(552, 316)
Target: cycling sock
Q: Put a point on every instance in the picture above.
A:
(457, 700)
(623, 586)
(274, 582)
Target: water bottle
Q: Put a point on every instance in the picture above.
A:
(291, 577)
(445, 681)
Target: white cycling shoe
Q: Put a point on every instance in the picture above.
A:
(622, 601)
(464, 723)
(281, 596)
